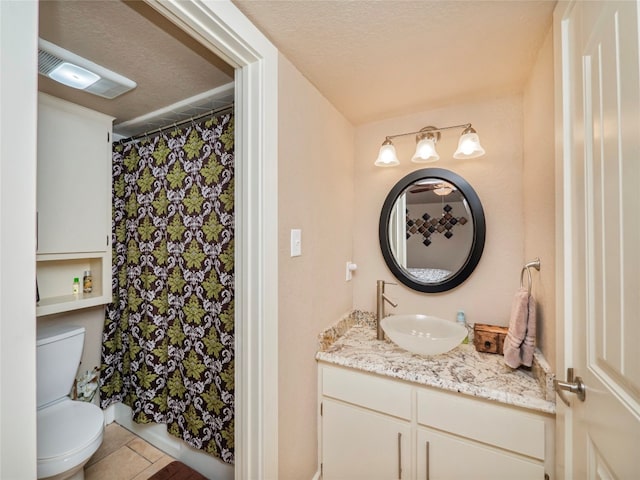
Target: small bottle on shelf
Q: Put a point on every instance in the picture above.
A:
(76, 285)
(87, 282)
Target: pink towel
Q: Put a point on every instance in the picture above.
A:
(520, 342)
(529, 345)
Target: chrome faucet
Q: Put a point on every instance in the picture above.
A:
(381, 298)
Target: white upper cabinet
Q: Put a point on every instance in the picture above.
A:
(74, 205)
(74, 178)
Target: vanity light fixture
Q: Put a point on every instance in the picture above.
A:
(469, 145)
(426, 139)
(387, 155)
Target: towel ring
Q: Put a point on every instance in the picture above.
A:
(534, 264)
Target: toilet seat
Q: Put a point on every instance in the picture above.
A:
(69, 432)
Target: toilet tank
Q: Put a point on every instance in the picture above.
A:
(58, 353)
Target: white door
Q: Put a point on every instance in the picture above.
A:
(597, 47)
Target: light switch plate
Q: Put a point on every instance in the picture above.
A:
(296, 242)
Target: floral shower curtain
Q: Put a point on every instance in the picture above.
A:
(168, 342)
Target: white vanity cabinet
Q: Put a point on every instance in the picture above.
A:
(361, 444)
(365, 424)
(443, 456)
(461, 437)
(374, 427)
(73, 204)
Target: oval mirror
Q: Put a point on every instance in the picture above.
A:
(432, 230)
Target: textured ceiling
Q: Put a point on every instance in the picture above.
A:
(371, 59)
(133, 40)
(375, 59)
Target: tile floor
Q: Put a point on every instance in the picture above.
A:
(124, 456)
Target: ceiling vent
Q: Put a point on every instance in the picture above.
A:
(77, 72)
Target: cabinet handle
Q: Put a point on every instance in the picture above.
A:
(399, 455)
(427, 459)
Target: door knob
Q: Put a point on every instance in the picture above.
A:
(572, 385)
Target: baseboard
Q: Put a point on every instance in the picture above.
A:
(317, 476)
(110, 414)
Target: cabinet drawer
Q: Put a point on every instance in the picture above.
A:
(382, 395)
(503, 427)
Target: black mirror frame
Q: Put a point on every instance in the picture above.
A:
(479, 229)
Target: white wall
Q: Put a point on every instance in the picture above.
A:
(92, 319)
(315, 165)
(18, 86)
(497, 179)
(326, 182)
(539, 192)
(515, 183)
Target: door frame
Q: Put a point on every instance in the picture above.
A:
(563, 188)
(18, 125)
(222, 28)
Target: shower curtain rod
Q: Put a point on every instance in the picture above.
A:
(210, 113)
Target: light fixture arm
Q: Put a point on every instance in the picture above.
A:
(428, 130)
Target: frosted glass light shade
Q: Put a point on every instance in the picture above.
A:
(425, 151)
(443, 190)
(74, 76)
(469, 145)
(387, 155)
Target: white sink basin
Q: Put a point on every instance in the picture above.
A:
(423, 334)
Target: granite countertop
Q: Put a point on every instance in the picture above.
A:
(352, 343)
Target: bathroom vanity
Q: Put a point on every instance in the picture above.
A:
(386, 413)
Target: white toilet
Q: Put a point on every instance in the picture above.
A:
(69, 431)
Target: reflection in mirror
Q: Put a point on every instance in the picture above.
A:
(432, 230)
(436, 231)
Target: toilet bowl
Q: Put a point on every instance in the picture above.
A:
(69, 431)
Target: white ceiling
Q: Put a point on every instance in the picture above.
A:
(371, 59)
(375, 59)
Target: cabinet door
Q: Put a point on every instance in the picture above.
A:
(360, 444)
(73, 178)
(441, 456)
